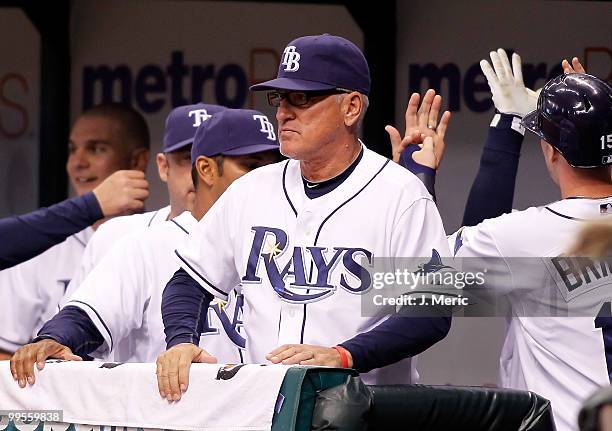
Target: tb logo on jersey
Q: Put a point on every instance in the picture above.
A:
(304, 264)
(266, 126)
(200, 115)
(291, 59)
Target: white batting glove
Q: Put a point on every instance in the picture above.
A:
(509, 93)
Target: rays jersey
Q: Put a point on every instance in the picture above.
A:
(560, 358)
(300, 261)
(107, 235)
(122, 296)
(31, 291)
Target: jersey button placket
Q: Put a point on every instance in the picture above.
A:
(293, 314)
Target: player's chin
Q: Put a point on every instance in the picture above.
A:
(290, 148)
(81, 188)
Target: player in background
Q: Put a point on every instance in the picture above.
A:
(121, 193)
(564, 359)
(104, 139)
(117, 307)
(293, 233)
(174, 169)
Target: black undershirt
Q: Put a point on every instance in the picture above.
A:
(315, 190)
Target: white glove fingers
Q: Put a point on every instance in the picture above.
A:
(505, 62)
(517, 68)
(489, 74)
(497, 66)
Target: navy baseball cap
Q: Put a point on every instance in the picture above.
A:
(183, 122)
(322, 62)
(234, 132)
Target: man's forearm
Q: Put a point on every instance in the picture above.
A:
(72, 328)
(184, 309)
(492, 192)
(28, 235)
(426, 174)
(397, 338)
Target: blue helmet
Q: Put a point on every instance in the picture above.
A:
(574, 115)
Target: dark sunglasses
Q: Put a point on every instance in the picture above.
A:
(300, 98)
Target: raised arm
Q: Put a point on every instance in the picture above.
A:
(500, 156)
(26, 236)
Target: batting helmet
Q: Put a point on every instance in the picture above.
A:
(574, 115)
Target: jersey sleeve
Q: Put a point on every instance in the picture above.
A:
(477, 250)
(45, 228)
(209, 254)
(418, 236)
(115, 292)
(419, 231)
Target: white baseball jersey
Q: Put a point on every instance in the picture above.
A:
(299, 260)
(122, 296)
(31, 291)
(560, 358)
(107, 235)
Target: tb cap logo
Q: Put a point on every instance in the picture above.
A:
(200, 115)
(291, 59)
(266, 126)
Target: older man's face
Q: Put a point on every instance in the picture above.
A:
(305, 132)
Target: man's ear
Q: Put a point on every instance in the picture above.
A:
(162, 166)
(140, 158)
(207, 170)
(352, 107)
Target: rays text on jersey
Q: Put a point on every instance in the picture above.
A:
(304, 273)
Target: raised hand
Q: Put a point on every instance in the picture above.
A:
(510, 96)
(421, 122)
(122, 193)
(574, 67)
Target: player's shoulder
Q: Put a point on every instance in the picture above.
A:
(513, 222)
(119, 226)
(395, 179)
(180, 225)
(505, 233)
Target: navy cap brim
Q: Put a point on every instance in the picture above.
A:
(178, 146)
(292, 84)
(530, 122)
(250, 149)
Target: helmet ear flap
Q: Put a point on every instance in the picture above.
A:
(569, 141)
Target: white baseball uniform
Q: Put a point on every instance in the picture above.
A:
(122, 296)
(299, 260)
(560, 358)
(107, 235)
(31, 291)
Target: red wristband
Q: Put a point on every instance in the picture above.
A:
(343, 356)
